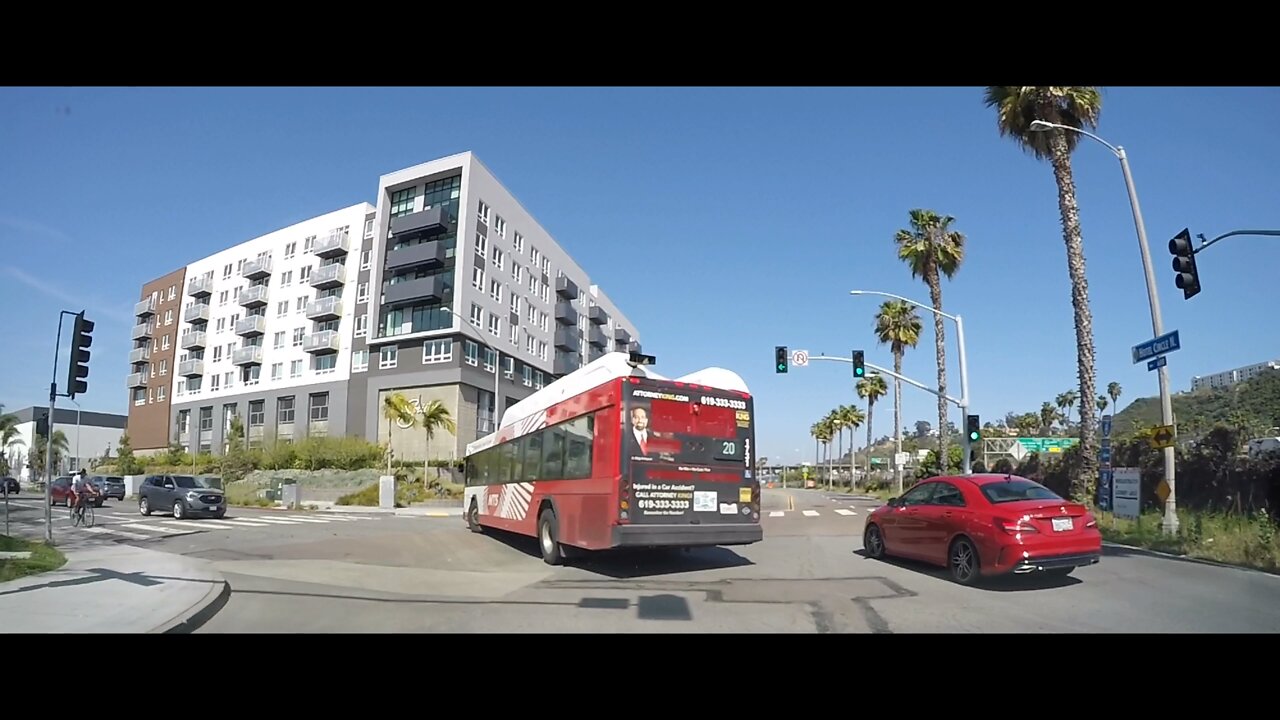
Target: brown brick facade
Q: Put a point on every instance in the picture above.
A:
(156, 352)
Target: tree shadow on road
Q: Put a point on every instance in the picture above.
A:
(1004, 583)
(625, 563)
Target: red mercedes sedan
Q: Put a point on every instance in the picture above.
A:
(985, 525)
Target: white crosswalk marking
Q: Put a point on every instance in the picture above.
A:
(140, 526)
(777, 513)
(97, 529)
(244, 523)
(844, 512)
(204, 525)
(296, 518)
(811, 513)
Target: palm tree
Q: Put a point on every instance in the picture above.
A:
(851, 418)
(898, 326)
(396, 408)
(932, 249)
(871, 387)
(823, 432)
(8, 438)
(1073, 106)
(434, 416)
(1114, 390)
(1102, 404)
(1047, 416)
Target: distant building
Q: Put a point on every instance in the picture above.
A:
(89, 435)
(1231, 377)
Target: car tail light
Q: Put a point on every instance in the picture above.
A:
(1013, 527)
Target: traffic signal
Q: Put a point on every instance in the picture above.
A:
(973, 428)
(1184, 264)
(78, 366)
(780, 353)
(859, 370)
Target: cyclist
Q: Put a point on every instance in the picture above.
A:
(80, 486)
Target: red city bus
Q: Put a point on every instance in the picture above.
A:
(615, 455)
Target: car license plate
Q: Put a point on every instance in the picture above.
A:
(1061, 524)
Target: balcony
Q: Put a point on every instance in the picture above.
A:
(254, 296)
(567, 339)
(192, 341)
(328, 276)
(564, 365)
(200, 287)
(421, 290)
(249, 355)
(566, 288)
(321, 343)
(428, 254)
(198, 313)
(566, 314)
(145, 308)
(141, 330)
(251, 326)
(256, 269)
(333, 245)
(621, 335)
(138, 355)
(598, 315)
(597, 337)
(136, 380)
(191, 368)
(325, 308)
(427, 222)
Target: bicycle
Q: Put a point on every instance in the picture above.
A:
(82, 512)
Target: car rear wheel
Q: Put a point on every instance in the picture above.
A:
(873, 541)
(962, 561)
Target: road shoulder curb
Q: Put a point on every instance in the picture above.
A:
(200, 613)
(1189, 558)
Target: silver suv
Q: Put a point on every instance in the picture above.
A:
(183, 495)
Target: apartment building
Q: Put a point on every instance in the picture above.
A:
(262, 336)
(447, 289)
(151, 361)
(1227, 378)
(476, 306)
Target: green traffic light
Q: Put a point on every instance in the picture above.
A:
(859, 371)
(973, 436)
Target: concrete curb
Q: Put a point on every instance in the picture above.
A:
(1188, 558)
(200, 613)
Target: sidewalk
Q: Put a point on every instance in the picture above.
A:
(115, 589)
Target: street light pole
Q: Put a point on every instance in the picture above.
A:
(964, 370)
(1170, 525)
(497, 368)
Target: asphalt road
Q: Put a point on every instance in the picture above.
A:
(313, 572)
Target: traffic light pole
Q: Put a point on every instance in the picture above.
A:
(53, 401)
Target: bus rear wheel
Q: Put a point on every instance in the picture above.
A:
(548, 540)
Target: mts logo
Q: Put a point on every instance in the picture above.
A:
(493, 501)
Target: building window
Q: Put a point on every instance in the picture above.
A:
(277, 370)
(325, 363)
(360, 361)
(319, 407)
(387, 357)
(518, 243)
(477, 315)
(257, 413)
(298, 334)
(482, 245)
(437, 351)
(295, 369)
(495, 325)
(495, 290)
(470, 352)
(284, 411)
(482, 212)
(402, 201)
(362, 325)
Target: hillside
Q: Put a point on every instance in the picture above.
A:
(1254, 404)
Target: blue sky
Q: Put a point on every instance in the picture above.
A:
(722, 221)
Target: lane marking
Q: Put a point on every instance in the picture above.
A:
(777, 513)
(811, 513)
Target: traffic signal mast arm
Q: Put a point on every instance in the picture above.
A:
(1206, 243)
(890, 373)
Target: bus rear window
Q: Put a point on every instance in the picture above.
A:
(666, 416)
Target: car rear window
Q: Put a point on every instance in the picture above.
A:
(1015, 490)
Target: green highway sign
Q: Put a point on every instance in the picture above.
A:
(1049, 445)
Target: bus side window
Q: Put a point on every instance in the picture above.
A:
(532, 445)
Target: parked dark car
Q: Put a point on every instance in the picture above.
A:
(183, 495)
(10, 484)
(111, 486)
